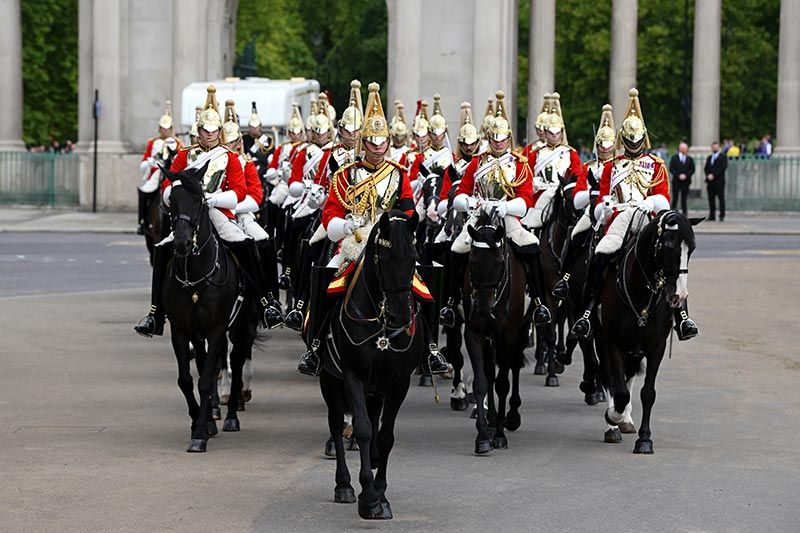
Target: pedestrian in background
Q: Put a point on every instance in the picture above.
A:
(681, 166)
(716, 164)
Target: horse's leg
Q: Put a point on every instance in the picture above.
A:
(490, 372)
(205, 427)
(616, 390)
(552, 368)
(540, 368)
(180, 345)
(225, 382)
(369, 505)
(627, 426)
(374, 407)
(502, 387)
(514, 419)
(333, 394)
(590, 386)
(247, 378)
(648, 395)
(240, 337)
(483, 442)
(561, 350)
(385, 437)
(458, 392)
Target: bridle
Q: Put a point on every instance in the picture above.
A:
(496, 287)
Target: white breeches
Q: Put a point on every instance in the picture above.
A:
(227, 228)
(535, 215)
(514, 231)
(251, 228)
(319, 234)
(279, 193)
(584, 223)
(612, 240)
(151, 184)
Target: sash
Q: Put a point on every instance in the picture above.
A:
(378, 176)
(311, 164)
(205, 157)
(542, 162)
(485, 168)
(620, 172)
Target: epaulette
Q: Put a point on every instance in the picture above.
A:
(397, 165)
(247, 158)
(186, 148)
(519, 156)
(656, 158)
(229, 150)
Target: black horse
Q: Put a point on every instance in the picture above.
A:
(375, 343)
(201, 294)
(637, 314)
(496, 330)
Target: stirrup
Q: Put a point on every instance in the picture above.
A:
(272, 314)
(294, 319)
(582, 328)
(447, 317)
(687, 328)
(561, 288)
(284, 281)
(149, 325)
(541, 314)
(309, 363)
(436, 361)
(140, 229)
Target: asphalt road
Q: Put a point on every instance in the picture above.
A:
(93, 426)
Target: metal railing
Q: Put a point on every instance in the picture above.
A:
(759, 184)
(42, 179)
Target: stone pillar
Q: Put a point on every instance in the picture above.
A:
(541, 57)
(188, 57)
(11, 77)
(405, 54)
(787, 134)
(85, 74)
(106, 43)
(494, 57)
(705, 75)
(622, 69)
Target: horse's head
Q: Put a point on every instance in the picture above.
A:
(487, 260)
(187, 207)
(675, 243)
(395, 256)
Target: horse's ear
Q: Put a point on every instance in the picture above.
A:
(413, 222)
(165, 171)
(473, 233)
(696, 221)
(383, 223)
(499, 231)
(197, 173)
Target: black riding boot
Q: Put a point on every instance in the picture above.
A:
(541, 314)
(685, 327)
(310, 361)
(153, 323)
(432, 276)
(143, 198)
(572, 248)
(269, 266)
(582, 328)
(294, 318)
(247, 254)
(453, 280)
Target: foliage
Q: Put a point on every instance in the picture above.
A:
(50, 70)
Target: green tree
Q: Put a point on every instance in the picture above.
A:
(49, 70)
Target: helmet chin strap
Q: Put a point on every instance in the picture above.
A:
(633, 149)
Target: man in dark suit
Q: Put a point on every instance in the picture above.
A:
(716, 164)
(681, 166)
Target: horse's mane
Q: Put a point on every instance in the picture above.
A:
(190, 179)
(669, 218)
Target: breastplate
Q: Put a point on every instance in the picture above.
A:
(631, 179)
(554, 166)
(495, 177)
(215, 173)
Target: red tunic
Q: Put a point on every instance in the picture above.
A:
(299, 162)
(253, 182)
(334, 209)
(524, 190)
(450, 175)
(416, 163)
(234, 175)
(660, 180)
(574, 172)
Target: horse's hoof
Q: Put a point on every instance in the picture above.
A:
(247, 395)
(643, 446)
(627, 427)
(425, 380)
(197, 446)
(564, 358)
(240, 407)
(586, 387)
(612, 436)
(459, 404)
(216, 413)
(344, 495)
(551, 381)
(352, 445)
(609, 421)
(559, 368)
(330, 449)
(387, 509)
(483, 447)
(539, 369)
(223, 399)
(374, 511)
(500, 443)
(600, 395)
(474, 414)
(513, 421)
(471, 397)
(591, 398)
(231, 424)
(212, 428)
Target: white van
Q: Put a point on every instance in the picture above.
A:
(273, 98)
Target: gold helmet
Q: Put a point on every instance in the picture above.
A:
(488, 116)
(255, 120)
(326, 106)
(437, 122)
(209, 117)
(230, 128)
(376, 130)
(397, 126)
(543, 112)
(312, 112)
(166, 119)
(467, 133)
(632, 127)
(353, 118)
(500, 128)
(606, 135)
(295, 124)
(193, 129)
(554, 122)
(421, 124)
(321, 122)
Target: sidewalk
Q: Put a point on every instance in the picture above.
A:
(47, 220)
